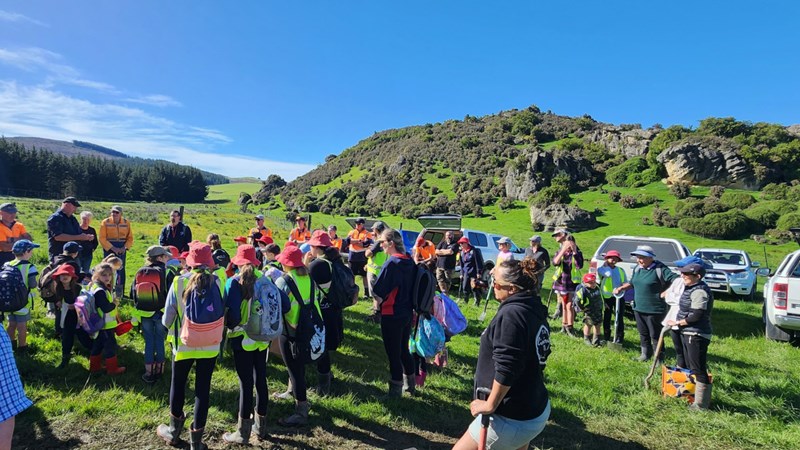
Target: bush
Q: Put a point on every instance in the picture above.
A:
(763, 215)
(646, 199)
(774, 191)
(713, 205)
(790, 220)
(662, 218)
(556, 193)
(628, 202)
(716, 191)
(680, 190)
(794, 193)
(614, 196)
(646, 221)
(731, 224)
(632, 173)
(691, 207)
(740, 200)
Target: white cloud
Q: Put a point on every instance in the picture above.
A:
(34, 59)
(45, 112)
(7, 16)
(155, 100)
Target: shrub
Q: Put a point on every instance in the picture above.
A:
(713, 205)
(794, 193)
(740, 200)
(615, 195)
(763, 215)
(551, 194)
(731, 224)
(690, 207)
(662, 218)
(716, 191)
(680, 190)
(505, 203)
(790, 220)
(646, 221)
(628, 201)
(632, 173)
(646, 199)
(774, 191)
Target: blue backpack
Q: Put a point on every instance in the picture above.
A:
(428, 340)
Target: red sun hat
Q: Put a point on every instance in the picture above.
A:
(265, 239)
(590, 278)
(291, 256)
(613, 254)
(173, 251)
(183, 255)
(245, 254)
(420, 240)
(65, 269)
(200, 255)
(240, 239)
(463, 240)
(320, 238)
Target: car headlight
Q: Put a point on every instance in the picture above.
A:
(740, 275)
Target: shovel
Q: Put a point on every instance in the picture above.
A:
(620, 308)
(482, 393)
(655, 355)
(482, 317)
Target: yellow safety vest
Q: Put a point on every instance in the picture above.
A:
(109, 319)
(245, 308)
(303, 283)
(179, 350)
(375, 262)
(607, 283)
(24, 269)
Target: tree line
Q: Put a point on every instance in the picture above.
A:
(92, 177)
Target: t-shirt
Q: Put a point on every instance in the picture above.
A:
(447, 262)
(59, 223)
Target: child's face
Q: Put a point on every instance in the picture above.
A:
(64, 279)
(270, 256)
(25, 256)
(105, 278)
(591, 284)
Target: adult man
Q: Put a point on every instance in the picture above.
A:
(259, 230)
(176, 233)
(63, 227)
(446, 253)
(358, 240)
(539, 254)
(336, 241)
(425, 252)
(10, 231)
(300, 233)
(116, 237)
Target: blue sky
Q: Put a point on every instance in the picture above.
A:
(249, 88)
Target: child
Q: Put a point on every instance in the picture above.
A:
(72, 251)
(116, 263)
(591, 302)
(105, 344)
(68, 288)
(18, 320)
(272, 268)
(611, 277)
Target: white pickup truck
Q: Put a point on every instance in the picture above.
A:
(781, 310)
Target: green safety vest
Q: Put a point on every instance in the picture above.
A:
(109, 319)
(575, 274)
(606, 283)
(303, 283)
(375, 262)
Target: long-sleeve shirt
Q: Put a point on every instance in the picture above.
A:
(115, 233)
(178, 236)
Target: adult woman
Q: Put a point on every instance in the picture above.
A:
(250, 357)
(321, 270)
(88, 246)
(471, 262)
(393, 288)
(199, 281)
(694, 323)
(67, 290)
(295, 283)
(513, 353)
(648, 281)
(568, 261)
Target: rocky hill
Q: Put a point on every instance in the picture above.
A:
(462, 165)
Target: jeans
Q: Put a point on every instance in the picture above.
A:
(119, 288)
(85, 262)
(70, 332)
(202, 388)
(154, 336)
(105, 343)
(251, 367)
(695, 352)
(505, 433)
(395, 332)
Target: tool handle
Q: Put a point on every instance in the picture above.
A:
(483, 393)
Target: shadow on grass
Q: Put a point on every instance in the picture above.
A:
(730, 323)
(32, 430)
(567, 431)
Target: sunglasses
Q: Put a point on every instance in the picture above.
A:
(115, 212)
(506, 287)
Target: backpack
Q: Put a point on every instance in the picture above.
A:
(448, 314)
(266, 318)
(13, 289)
(47, 284)
(428, 340)
(148, 289)
(423, 290)
(221, 257)
(204, 316)
(343, 291)
(89, 318)
(308, 342)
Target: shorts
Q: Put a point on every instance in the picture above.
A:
(505, 433)
(19, 318)
(592, 320)
(358, 268)
(444, 276)
(565, 297)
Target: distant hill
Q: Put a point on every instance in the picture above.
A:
(80, 148)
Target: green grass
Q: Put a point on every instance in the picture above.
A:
(597, 395)
(351, 175)
(230, 192)
(444, 184)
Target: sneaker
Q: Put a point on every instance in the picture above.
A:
(149, 378)
(50, 315)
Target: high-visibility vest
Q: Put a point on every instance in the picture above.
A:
(179, 350)
(245, 308)
(375, 262)
(24, 269)
(303, 283)
(607, 283)
(300, 236)
(575, 273)
(362, 236)
(109, 318)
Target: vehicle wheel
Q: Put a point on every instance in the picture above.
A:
(774, 333)
(751, 297)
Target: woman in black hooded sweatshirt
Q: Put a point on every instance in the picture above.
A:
(512, 356)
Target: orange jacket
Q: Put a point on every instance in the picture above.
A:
(264, 232)
(116, 232)
(299, 236)
(361, 236)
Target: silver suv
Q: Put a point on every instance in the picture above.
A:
(733, 271)
(667, 251)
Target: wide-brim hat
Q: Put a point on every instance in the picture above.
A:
(173, 251)
(291, 256)
(245, 254)
(200, 255)
(265, 239)
(644, 250)
(612, 254)
(463, 240)
(65, 269)
(240, 239)
(320, 238)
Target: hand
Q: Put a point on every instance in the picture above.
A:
(87, 237)
(480, 407)
(672, 323)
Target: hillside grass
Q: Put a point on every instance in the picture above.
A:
(351, 175)
(597, 395)
(441, 178)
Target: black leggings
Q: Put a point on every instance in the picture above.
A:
(251, 367)
(677, 342)
(202, 388)
(608, 317)
(649, 326)
(70, 332)
(105, 343)
(695, 351)
(395, 333)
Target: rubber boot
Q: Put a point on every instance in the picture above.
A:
(260, 427)
(171, 434)
(420, 378)
(645, 356)
(410, 384)
(563, 329)
(288, 395)
(596, 342)
(587, 340)
(196, 440)
(112, 368)
(395, 390)
(299, 418)
(702, 396)
(95, 363)
(571, 331)
(324, 384)
(242, 433)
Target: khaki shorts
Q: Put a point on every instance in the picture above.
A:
(443, 276)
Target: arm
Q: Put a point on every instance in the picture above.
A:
(509, 353)
(103, 303)
(129, 237)
(103, 239)
(700, 300)
(162, 238)
(188, 237)
(171, 307)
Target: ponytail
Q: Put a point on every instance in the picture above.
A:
(199, 279)
(247, 280)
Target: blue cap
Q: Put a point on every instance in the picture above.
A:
(72, 247)
(691, 259)
(22, 246)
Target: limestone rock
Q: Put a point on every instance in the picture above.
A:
(618, 140)
(539, 169)
(708, 162)
(558, 215)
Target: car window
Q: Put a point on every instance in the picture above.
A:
(666, 252)
(513, 249)
(736, 259)
(477, 239)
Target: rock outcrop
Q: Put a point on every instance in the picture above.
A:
(622, 140)
(708, 162)
(558, 215)
(539, 169)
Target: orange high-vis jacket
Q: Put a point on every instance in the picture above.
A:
(264, 232)
(355, 235)
(300, 236)
(116, 232)
(337, 242)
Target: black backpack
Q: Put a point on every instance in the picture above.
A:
(308, 342)
(13, 289)
(221, 257)
(343, 291)
(424, 290)
(47, 284)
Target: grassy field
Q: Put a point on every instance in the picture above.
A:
(597, 394)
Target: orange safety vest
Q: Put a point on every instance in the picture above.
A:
(355, 235)
(300, 236)
(426, 250)
(264, 231)
(337, 242)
